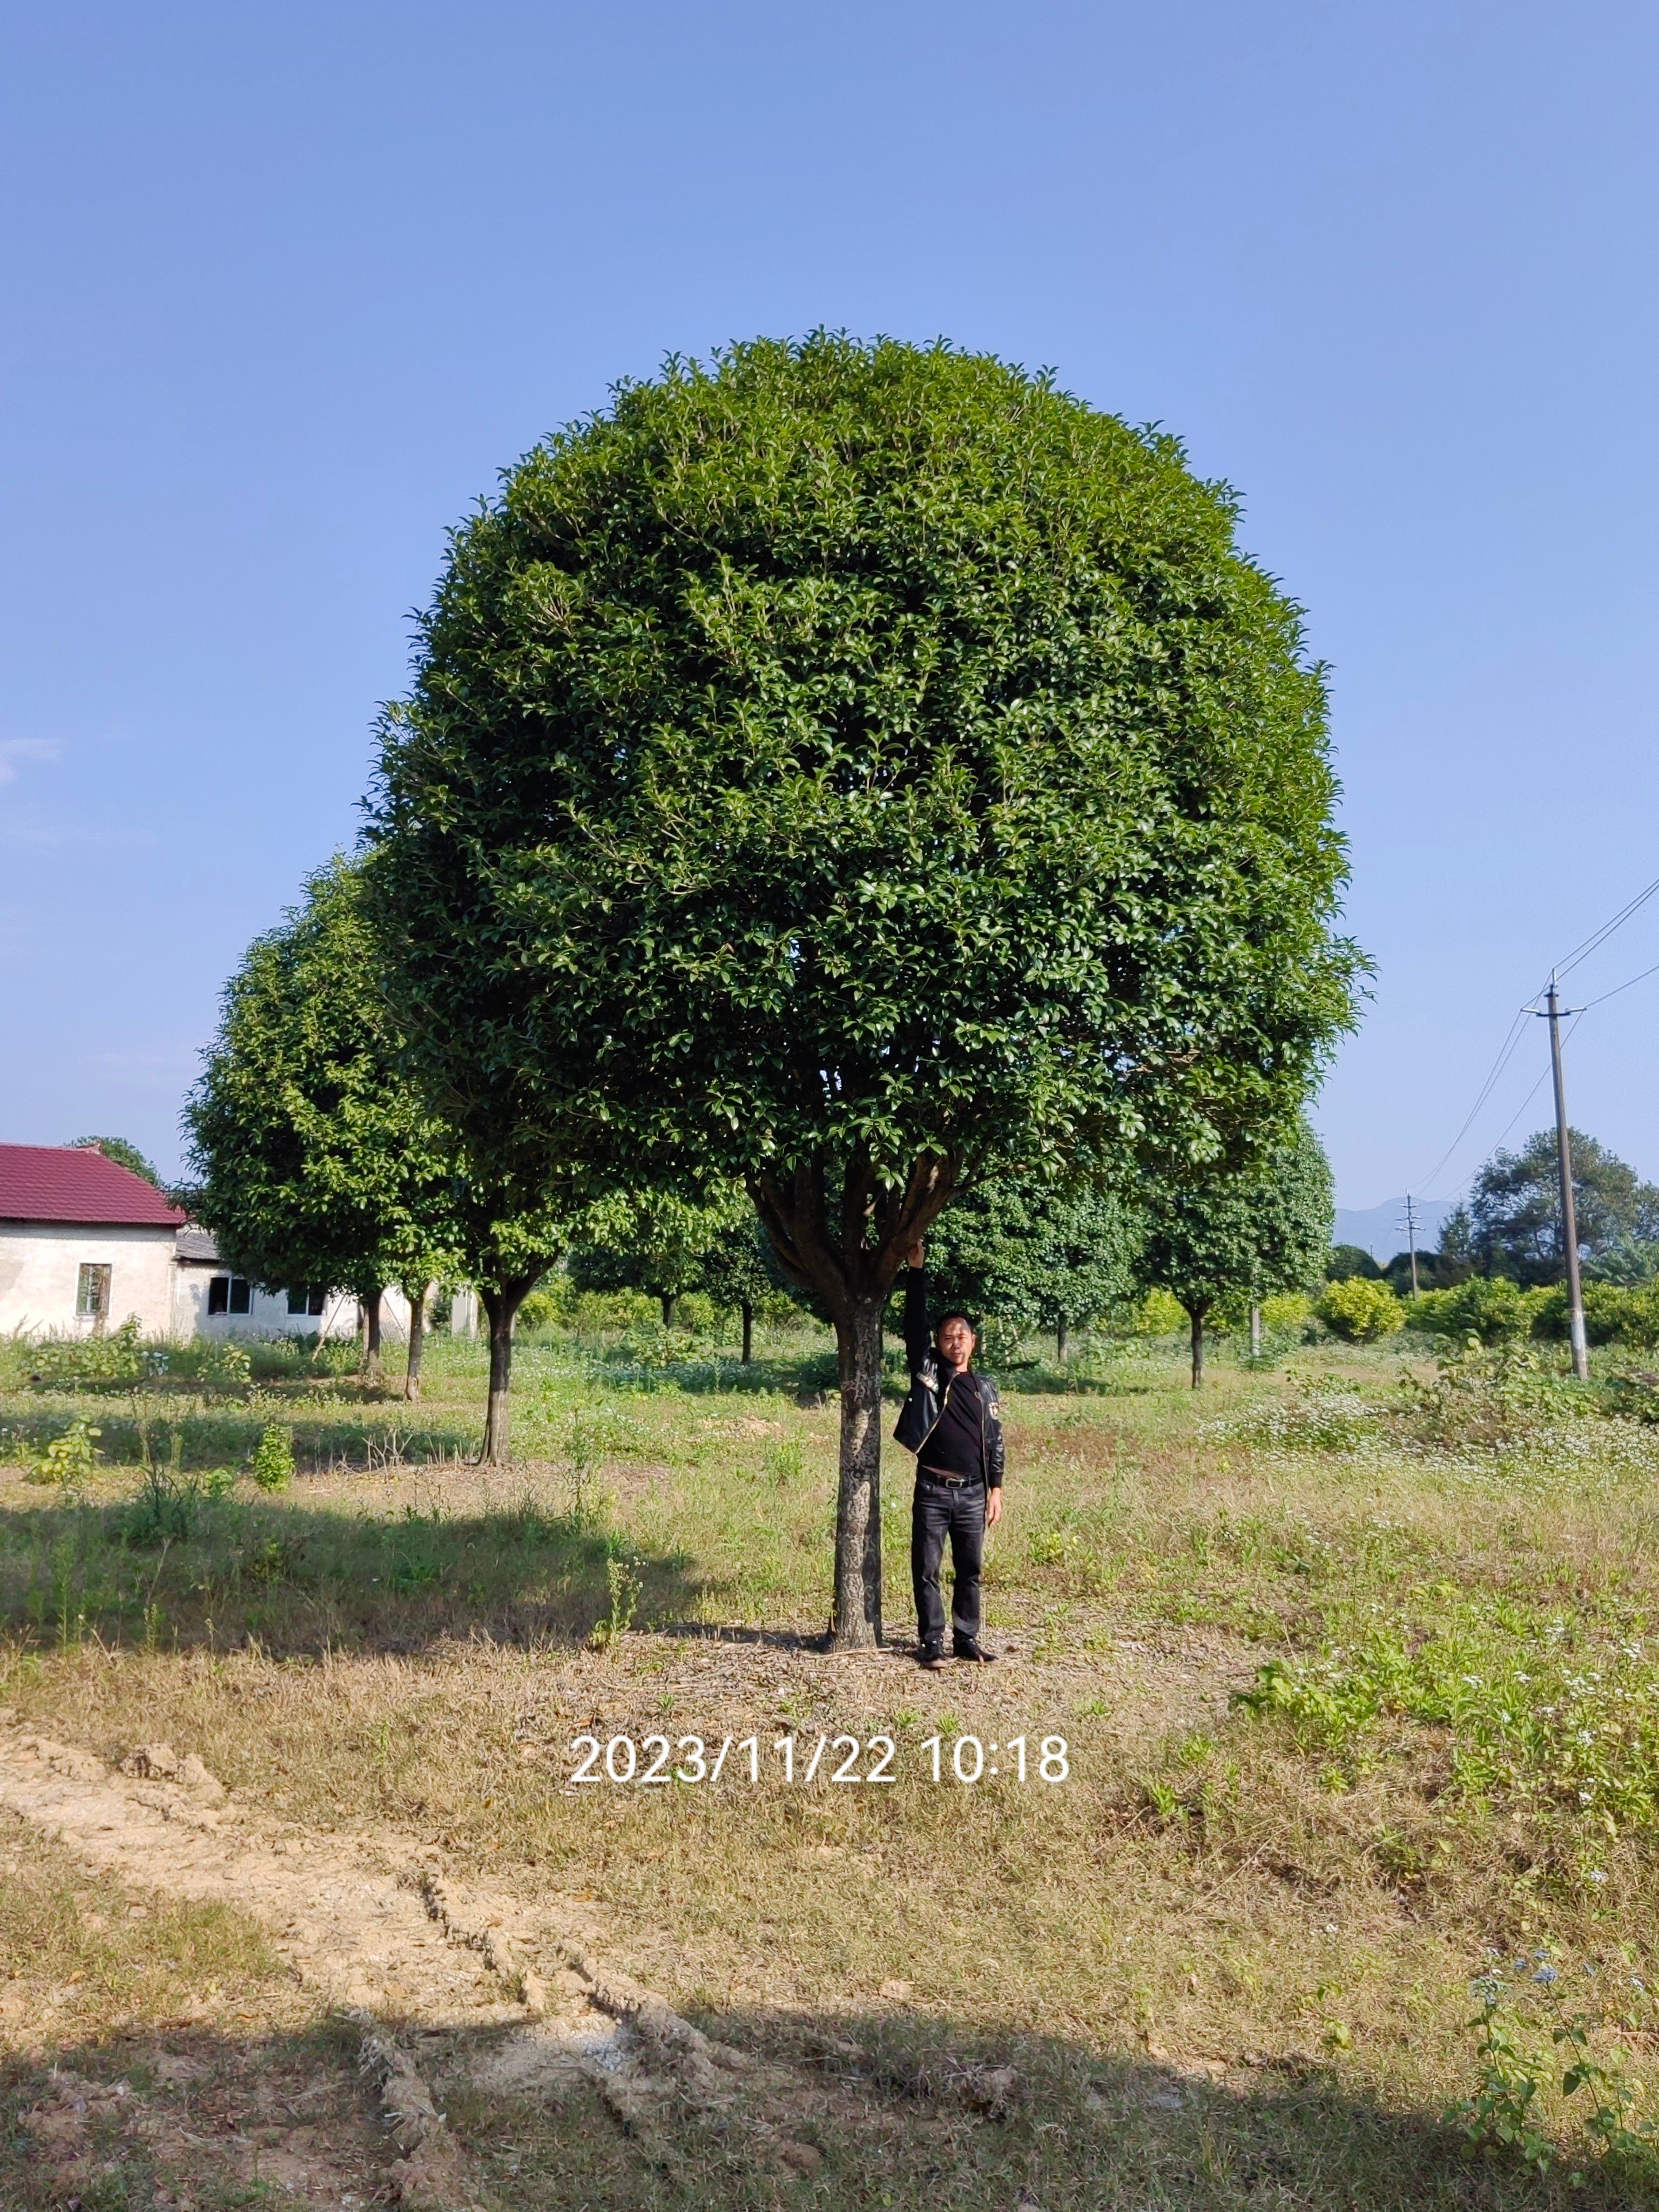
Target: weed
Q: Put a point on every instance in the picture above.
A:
(1513, 2068)
(273, 1461)
(783, 1461)
(68, 1459)
(621, 1575)
(166, 1509)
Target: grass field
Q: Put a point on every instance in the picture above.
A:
(1353, 1662)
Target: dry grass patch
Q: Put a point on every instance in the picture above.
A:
(1229, 1960)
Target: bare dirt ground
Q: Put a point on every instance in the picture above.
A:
(443, 1987)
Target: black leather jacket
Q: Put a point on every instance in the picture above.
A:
(928, 1383)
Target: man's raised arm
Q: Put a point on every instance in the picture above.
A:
(915, 1309)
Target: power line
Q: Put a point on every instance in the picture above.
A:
(1580, 952)
(1506, 1051)
(1600, 936)
(1618, 988)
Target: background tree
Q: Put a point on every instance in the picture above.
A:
(1511, 1224)
(1346, 1262)
(649, 1241)
(1033, 1255)
(123, 1155)
(316, 1162)
(737, 1270)
(1229, 1240)
(858, 771)
(510, 1231)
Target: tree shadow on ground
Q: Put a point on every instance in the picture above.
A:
(172, 1567)
(854, 2109)
(377, 1423)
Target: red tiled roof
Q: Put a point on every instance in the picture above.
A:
(69, 1182)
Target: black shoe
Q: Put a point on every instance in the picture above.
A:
(967, 1648)
(931, 1658)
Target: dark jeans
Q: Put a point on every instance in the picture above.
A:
(957, 1510)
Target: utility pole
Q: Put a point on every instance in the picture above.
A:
(1568, 1211)
(1411, 1236)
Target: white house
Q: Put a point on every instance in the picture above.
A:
(85, 1242)
(208, 1300)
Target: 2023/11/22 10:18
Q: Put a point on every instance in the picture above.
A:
(789, 1758)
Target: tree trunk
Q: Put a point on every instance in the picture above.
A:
(371, 1355)
(748, 1331)
(855, 1625)
(1256, 1332)
(416, 1294)
(502, 1303)
(1198, 1347)
(667, 1310)
(1059, 1342)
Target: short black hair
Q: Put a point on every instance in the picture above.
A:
(956, 1313)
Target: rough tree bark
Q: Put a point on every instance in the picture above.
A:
(748, 1330)
(848, 1245)
(501, 1300)
(1256, 1332)
(1196, 1314)
(667, 1309)
(416, 1294)
(1060, 1341)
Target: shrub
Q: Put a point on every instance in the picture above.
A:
(1614, 1312)
(273, 1461)
(1501, 1400)
(539, 1310)
(1360, 1311)
(1160, 1314)
(1489, 1307)
(1288, 1313)
(69, 1458)
(80, 1363)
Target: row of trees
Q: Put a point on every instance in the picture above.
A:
(854, 777)
(1509, 1226)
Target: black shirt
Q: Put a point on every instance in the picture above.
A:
(957, 1444)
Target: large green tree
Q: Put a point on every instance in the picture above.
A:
(1221, 1240)
(316, 1162)
(859, 770)
(1511, 1224)
(1034, 1255)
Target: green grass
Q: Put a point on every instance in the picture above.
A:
(1357, 1659)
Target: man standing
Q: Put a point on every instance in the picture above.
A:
(952, 1422)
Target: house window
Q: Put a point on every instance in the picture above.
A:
(228, 1294)
(306, 1302)
(92, 1293)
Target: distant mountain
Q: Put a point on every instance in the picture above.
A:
(1381, 1229)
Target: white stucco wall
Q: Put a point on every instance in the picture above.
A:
(40, 1263)
(268, 1314)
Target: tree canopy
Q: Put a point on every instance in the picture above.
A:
(1512, 1223)
(318, 1163)
(859, 770)
(1226, 1239)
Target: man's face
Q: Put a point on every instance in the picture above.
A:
(956, 1342)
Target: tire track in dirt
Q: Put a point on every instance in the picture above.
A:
(380, 1934)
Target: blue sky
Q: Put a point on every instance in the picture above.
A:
(283, 288)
